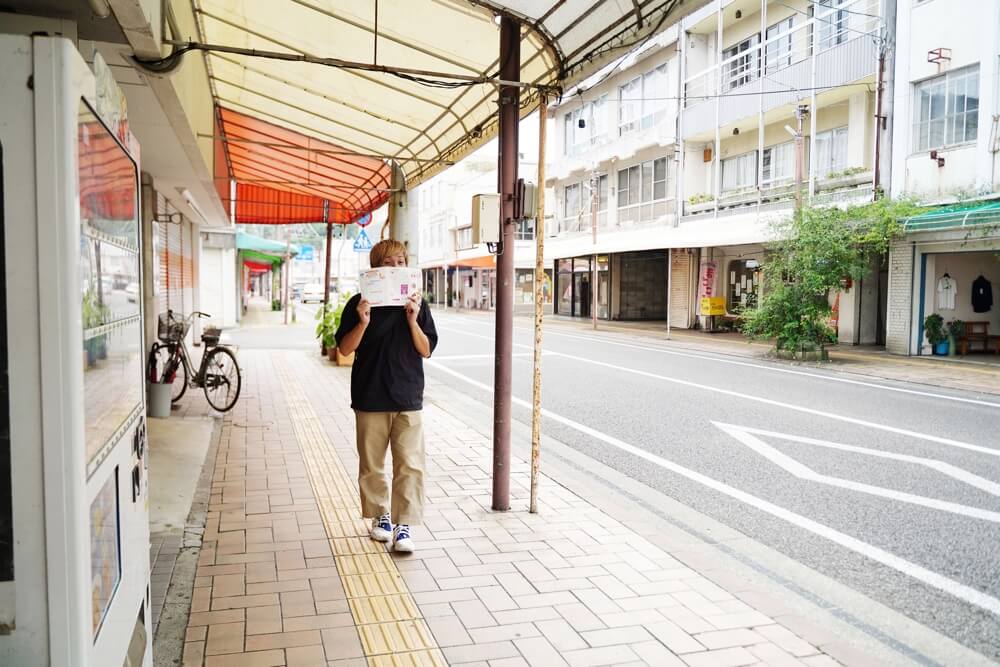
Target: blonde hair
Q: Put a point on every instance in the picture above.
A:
(384, 249)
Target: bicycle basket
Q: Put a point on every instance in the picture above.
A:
(171, 328)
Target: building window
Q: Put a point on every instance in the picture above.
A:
(525, 229)
(831, 151)
(740, 63)
(571, 200)
(739, 172)
(778, 50)
(464, 238)
(642, 183)
(744, 285)
(831, 23)
(946, 112)
(642, 102)
(779, 163)
(629, 105)
(578, 139)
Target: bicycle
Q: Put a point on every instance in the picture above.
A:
(218, 374)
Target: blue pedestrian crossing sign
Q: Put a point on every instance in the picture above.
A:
(362, 243)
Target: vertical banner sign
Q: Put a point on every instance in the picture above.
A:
(706, 285)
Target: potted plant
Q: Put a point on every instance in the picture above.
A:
(936, 334)
(956, 329)
(342, 359)
(325, 329)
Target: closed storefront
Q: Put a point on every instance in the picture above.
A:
(175, 237)
(643, 285)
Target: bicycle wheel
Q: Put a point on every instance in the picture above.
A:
(169, 362)
(222, 379)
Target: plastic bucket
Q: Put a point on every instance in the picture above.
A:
(158, 399)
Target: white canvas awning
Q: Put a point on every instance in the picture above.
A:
(424, 122)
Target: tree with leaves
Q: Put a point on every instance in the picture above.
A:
(815, 251)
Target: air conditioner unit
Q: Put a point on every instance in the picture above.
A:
(485, 218)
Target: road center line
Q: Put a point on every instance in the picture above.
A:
(766, 367)
(768, 401)
(933, 579)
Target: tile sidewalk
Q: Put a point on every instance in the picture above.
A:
(287, 575)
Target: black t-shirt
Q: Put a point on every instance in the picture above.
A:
(388, 372)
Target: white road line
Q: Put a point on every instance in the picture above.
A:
(802, 471)
(947, 469)
(768, 401)
(767, 367)
(933, 579)
(455, 357)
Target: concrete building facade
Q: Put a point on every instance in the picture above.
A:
(945, 111)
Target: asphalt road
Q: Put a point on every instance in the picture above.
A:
(890, 488)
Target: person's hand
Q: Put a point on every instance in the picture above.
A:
(413, 307)
(364, 311)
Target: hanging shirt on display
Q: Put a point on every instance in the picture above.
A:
(946, 290)
(982, 295)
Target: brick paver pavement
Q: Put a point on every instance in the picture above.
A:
(287, 575)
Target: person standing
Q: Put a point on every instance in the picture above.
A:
(387, 392)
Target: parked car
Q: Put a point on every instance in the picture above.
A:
(312, 292)
(132, 292)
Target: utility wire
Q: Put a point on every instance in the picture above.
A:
(724, 95)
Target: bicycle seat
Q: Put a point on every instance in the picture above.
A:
(209, 340)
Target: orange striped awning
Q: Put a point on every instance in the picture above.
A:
(285, 177)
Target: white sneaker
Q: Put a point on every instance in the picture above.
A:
(401, 540)
(382, 528)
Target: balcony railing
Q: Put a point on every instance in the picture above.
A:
(829, 191)
(843, 39)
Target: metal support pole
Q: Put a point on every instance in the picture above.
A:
(800, 112)
(286, 268)
(329, 239)
(670, 296)
(536, 384)
(510, 67)
(594, 198)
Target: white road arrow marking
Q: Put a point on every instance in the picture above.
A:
(748, 437)
(950, 586)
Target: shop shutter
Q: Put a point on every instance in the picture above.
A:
(680, 290)
(187, 267)
(162, 277)
(171, 261)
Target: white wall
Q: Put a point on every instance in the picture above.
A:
(971, 29)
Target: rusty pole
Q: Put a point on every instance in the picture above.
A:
(536, 384)
(510, 68)
(329, 240)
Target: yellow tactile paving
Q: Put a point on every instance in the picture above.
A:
(377, 583)
(431, 658)
(384, 608)
(396, 637)
(391, 629)
(380, 562)
(347, 546)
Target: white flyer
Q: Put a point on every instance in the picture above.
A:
(389, 286)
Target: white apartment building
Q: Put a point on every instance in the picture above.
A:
(458, 273)
(945, 141)
(684, 153)
(748, 68)
(613, 171)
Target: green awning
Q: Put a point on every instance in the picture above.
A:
(955, 217)
(271, 249)
(262, 257)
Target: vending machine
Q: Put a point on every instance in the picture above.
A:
(74, 527)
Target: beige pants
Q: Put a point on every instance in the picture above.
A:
(403, 431)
